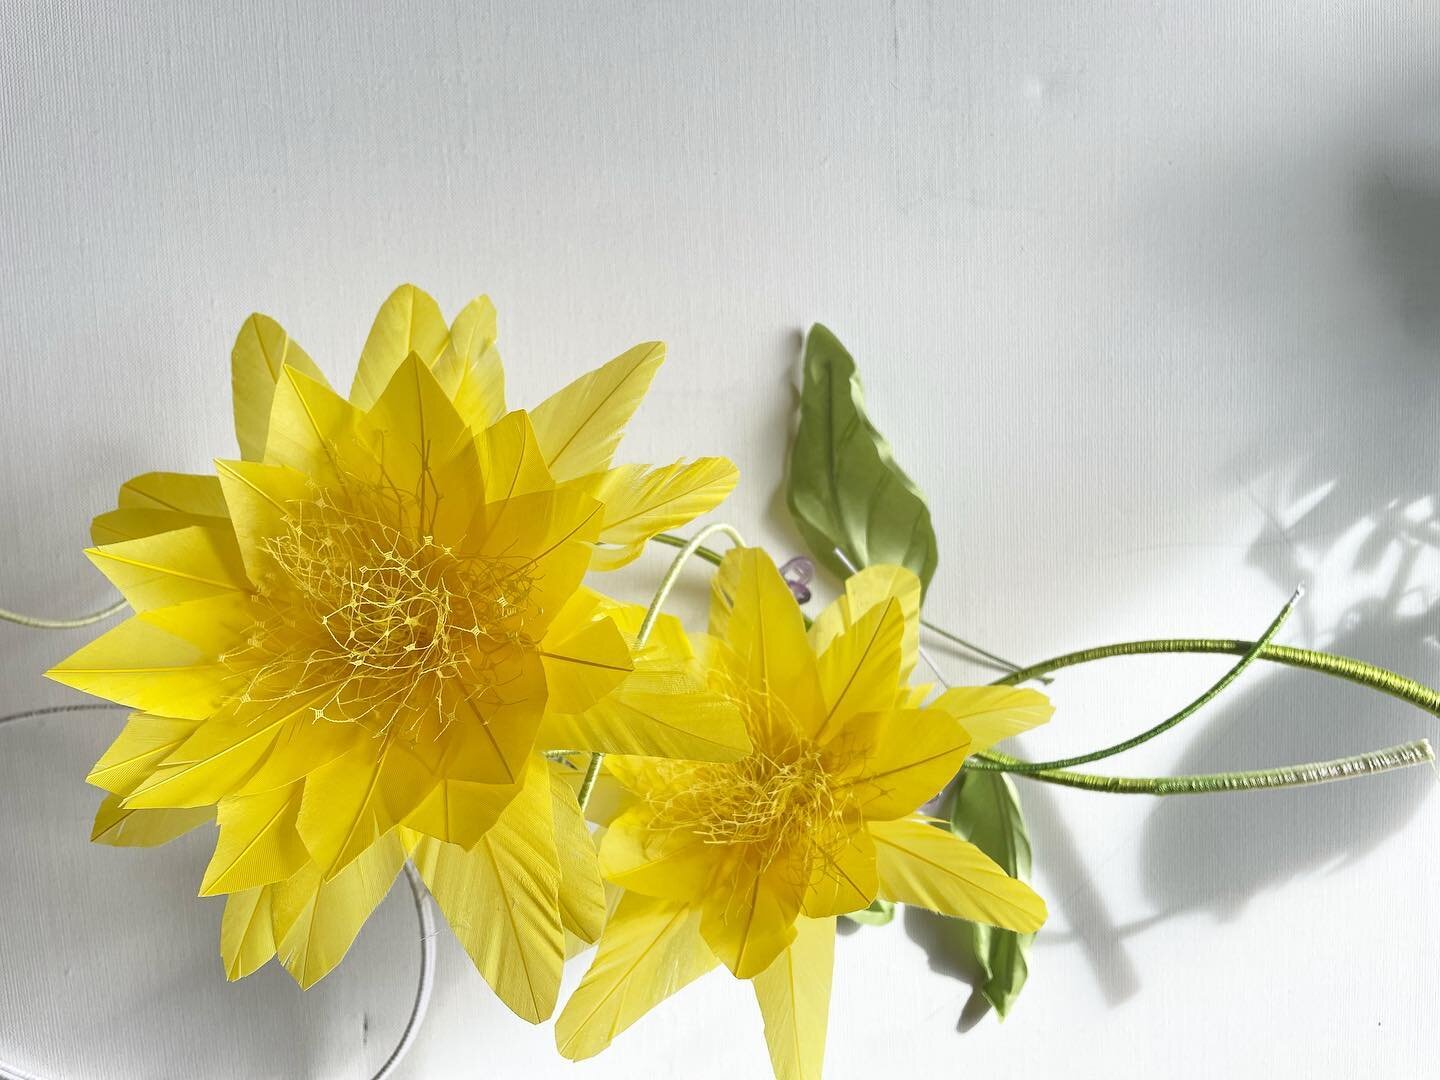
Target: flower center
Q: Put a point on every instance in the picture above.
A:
(770, 802)
(375, 618)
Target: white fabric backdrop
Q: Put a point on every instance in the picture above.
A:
(1145, 295)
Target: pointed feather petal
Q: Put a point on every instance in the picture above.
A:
(318, 433)
(872, 586)
(502, 901)
(258, 842)
(423, 432)
(923, 865)
(166, 661)
(912, 754)
(471, 375)
(120, 827)
(650, 949)
(992, 713)
(794, 998)
(585, 658)
(317, 920)
(262, 349)
(580, 426)
(582, 893)
(173, 567)
(409, 321)
(750, 915)
(143, 743)
(261, 499)
(357, 799)
(511, 462)
(115, 526)
(859, 671)
(247, 941)
(768, 658)
(182, 492)
(640, 503)
(843, 877)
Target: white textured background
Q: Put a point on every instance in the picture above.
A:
(1147, 296)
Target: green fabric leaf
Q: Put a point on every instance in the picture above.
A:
(985, 809)
(878, 913)
(844, 489)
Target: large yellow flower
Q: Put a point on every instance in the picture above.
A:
(350, 645)
(748, 862)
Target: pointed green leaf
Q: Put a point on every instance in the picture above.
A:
(844, 489)
(985, 809)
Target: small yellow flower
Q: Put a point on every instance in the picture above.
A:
(349, 646)
(748, 862)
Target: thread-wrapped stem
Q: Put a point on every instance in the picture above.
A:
(1319, 772)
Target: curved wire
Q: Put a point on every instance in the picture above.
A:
(424, 912)
(36, 622)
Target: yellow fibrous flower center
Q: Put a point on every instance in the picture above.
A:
(371, 616)
(775, 802)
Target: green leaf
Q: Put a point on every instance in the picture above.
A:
(844, 489)
(985, 809)
(878, 913)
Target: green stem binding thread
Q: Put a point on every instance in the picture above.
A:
(1019, 766)
(690, 547)
(1319, 772)
(1341, 667)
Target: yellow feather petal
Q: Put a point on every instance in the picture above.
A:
(317, 432)
(409, 321)
(582, 893)
(794, 998)
(859, 670)
(143, 743)
(165, 661)
(352, 802)
(258, 842)
(422, 429)
(580, 426)
(912, 754)
(489, 743)
(640, 503)
(668, 864)
(843, 877)
(183, 492)
(247, 940)
(584, 661)
(992, 713)
(650, 949)
(261, 498)
(221, 756)
(115, 526)
(502, 901)
(317, 920)
(923, 865)
(262, 349)
(173, 567)
(460, 812)
(472, 375)
(768, 659)
(873, 586)
(750, 914)
(510, 459)
(120, 827)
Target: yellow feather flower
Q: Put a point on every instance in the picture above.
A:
(350, 646)
(748, 862)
